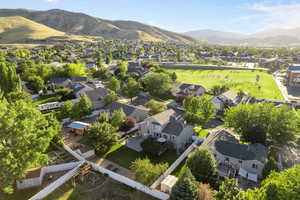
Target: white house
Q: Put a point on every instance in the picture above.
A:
(167, 125)
(230, 154)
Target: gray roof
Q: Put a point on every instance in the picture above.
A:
(97, 94)
(225, 143)
(294, 68)
(186, 89)
(128, 109)
(174, 127)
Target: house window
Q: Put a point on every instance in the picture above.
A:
(240, 161)
(254, 166)
(227, 159)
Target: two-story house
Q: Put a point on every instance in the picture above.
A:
(231, 154)
(169, 126)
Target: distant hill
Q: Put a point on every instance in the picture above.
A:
(269, 38)
(82, 24)
(19, 29)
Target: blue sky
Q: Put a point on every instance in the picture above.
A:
(246, 16)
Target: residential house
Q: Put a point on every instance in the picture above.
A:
(78, 127)
(137, 112)
(91, 65)
(232, 156)
(225, 99)
(184, 89)
(80, 89)
(59, 82)
(97, 97)
(293, 76)
(167, 125)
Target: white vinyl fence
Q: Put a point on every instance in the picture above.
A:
(134, 184)
(175, 164)
(37, 181)
(56, 184)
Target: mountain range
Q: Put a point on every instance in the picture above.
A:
(26, 26)
(267, 38)
(82, 24)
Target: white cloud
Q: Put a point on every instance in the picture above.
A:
(51, 1)
(276, 15)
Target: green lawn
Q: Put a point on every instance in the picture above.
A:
(47, 99)
(236, 79)
(124, 156)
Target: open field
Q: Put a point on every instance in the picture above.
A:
(236, 79)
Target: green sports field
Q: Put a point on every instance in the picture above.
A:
(236, 79)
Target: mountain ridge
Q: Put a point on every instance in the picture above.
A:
(83, 24)
(269, 37)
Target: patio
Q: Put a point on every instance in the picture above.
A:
(134, 143)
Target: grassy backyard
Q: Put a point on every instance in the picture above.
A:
(47, 99)
(236, 79)
(124, 156)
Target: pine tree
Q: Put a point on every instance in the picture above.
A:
(185, 188)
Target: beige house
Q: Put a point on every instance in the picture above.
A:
(234, 158)
(167, 125)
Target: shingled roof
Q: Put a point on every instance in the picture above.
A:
(225, 143)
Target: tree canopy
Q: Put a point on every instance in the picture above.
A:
(157, 84)
(101, 136)
(202, 165)
(198, 110)
(147, 172)
(263, 122)
(25, 135)
(278, 186)
(9, 80)
(228, 190)
(114, 84)
(156, 106)
(185, 188)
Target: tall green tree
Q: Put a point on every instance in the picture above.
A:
(278, 186)
(111, 97)
(228, 190)
(185, 188)
(82, 108)
(75, 70)
(263, 122)
(101, 136)
(202, 165)
(117, 118)
(147, 172)
(114, 84)
(9, 80)
(155, 106)
(131, 88)
(157, 84)
(36, 83)
(123, 66)
(198, 110)
(25, 135)
(66, 110)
